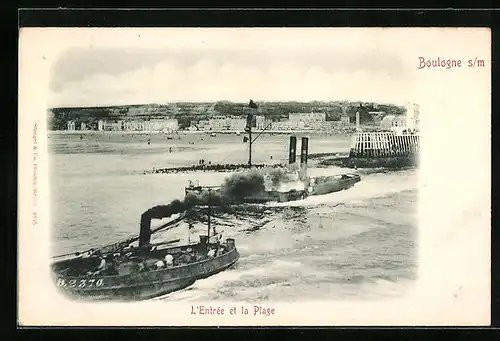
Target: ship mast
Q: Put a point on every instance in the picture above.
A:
(209, 211)
(248, 129)
(250, 146)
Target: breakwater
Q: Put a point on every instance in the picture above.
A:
(391, 162)
(378, 144)
(211, 168)
(380, 149)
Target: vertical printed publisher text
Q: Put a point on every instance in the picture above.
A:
(34, 217)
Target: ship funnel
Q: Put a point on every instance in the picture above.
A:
(303, 152)
(145, 233)
(292, 156)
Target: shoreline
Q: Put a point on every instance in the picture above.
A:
(225, 132)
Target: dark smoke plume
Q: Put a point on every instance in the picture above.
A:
(276, 178)
(175, 207)
(233, 191)
(239, 186)
(191, 201)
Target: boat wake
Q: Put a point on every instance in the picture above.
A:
(248, 218)
(306, 248)
(283, 280)
(375, 185)
(222, 284)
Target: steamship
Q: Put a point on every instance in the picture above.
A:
(133, 273)
(310, 185)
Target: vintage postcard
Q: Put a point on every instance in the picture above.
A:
(254, 176)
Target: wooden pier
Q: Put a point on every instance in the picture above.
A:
(384, 144)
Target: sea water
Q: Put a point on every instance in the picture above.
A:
(358, 243)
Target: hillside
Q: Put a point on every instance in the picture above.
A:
(186, 112)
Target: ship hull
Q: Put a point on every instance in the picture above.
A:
(143, 285)
(258, 198)
(332, 184)
(275, 196)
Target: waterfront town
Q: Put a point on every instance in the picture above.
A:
(217, 122)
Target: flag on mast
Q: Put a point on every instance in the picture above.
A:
(252, 105)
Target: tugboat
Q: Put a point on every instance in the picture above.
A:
(124, 273)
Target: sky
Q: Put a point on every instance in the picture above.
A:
(117, 67)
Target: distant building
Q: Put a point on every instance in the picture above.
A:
(71, 126)
(203, 125)
(219, 123)
(237, 123)
(262, 122)
(133, 126)
(161, 125)
(171, 124)
(281, 126)
(310, 120)
(83, 126)
(391, 121)
(345, 120)
(100, 125)
(112, 126)
(153, 126)
(158, 125)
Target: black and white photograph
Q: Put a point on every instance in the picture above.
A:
(259, 166)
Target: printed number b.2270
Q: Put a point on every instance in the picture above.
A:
(82, 283)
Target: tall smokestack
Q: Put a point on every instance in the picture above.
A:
(357, 119)
(292, 156)
(145, 233)
(303, 151)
